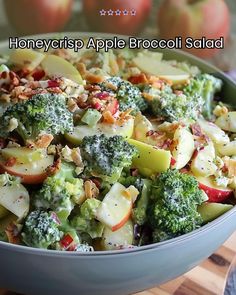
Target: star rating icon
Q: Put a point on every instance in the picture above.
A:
(118, 12)
(125, 12)
(133, 12)
(110, 12)
(103, 12)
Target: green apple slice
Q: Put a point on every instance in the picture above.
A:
(155, 67)
(26, 58)
(22, 154)
(30, 173)
(54, 65)
(216, 134)
(210, 211)
(183, 151)
(227, 149)
(203, 164)
(15, 198)
(227, 122)
(113, 240)
(79, 132)
(156, 160)
(115, 209)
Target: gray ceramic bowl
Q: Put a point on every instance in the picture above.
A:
(42, 272)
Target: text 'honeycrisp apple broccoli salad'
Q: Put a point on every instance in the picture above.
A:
(110, 150)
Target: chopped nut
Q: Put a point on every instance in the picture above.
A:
(108, 118)
(72, 106)
(52, 150)
(81, 67)
(66, 154)
(91, 190)
(220, 110)
(76, 157)
(43, 141)
(94, 79)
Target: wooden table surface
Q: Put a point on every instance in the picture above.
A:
(209, 278)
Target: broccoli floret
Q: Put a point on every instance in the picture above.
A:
(204, 86)
(140, 210)
(128, 95)
(60, 192)
(126, 179)
(173, 207)
(43, 113)
(40, 230)
(85, 222)
(175, 106)
(107, 156)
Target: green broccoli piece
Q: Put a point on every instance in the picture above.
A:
(141, 205)
(107, 156)
(60, 192)
(85, 222)
(204, 86)
(43, 113)
(40, 230)
(128, 95)
(174, 106)
(173, 206)
(127, 180)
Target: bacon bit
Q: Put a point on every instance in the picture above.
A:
(81, 67)
(23, 73)
(10, 162)
(200, 137)
(14, 79)
(108, 118)
(97, 106)
(196, 130)
(92, 88)
(138, 79)
(225, 169)
(94, 79)
(148, 96)
(13, 233)
(113, 106)
(97, 182)
(166, 144)
(54, 168)
(53, 83)
(43, 141)
(103, 95)
(172, 161)
(38, 74)
(91, 190)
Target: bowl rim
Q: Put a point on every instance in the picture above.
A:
(135, 250)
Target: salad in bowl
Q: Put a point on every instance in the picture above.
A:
(110, 150)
